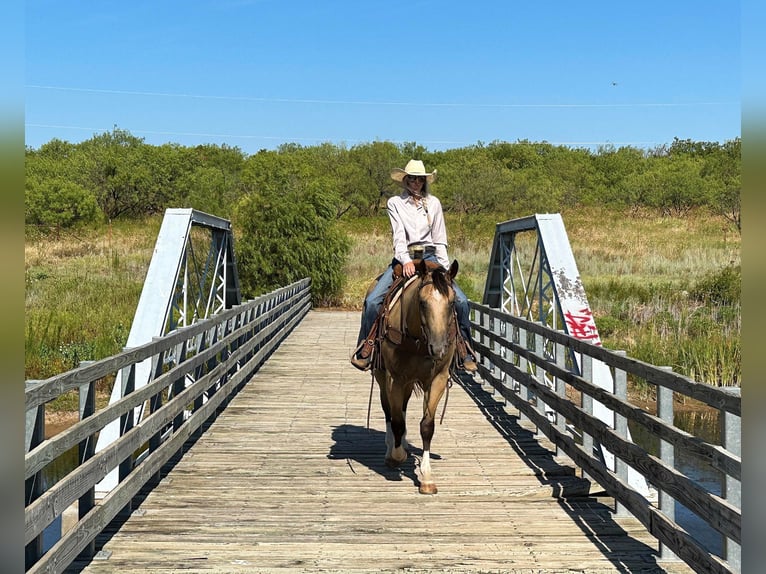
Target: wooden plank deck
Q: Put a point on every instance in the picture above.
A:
(289, 479)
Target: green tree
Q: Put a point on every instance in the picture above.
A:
(371, 184)
(471, 181)
(53, 193)
(515, 156)
(680, 186)
(614, 168)
(723, 170)
(210, 179)
(116, 172)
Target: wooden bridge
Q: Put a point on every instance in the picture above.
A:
(246, 449)
(288, 477)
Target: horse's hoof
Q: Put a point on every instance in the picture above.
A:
(429, 488)
(393, 463)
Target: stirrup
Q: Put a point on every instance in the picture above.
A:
(362, 363)
(363, 360)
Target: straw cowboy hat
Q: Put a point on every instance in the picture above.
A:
(413, 167)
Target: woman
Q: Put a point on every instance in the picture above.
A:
(417, 225)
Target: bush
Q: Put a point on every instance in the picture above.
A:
(286, 236)
(59, 202)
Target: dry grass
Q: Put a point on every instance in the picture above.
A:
(82, 288)
(638, 270)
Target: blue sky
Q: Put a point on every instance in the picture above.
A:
(259, 73)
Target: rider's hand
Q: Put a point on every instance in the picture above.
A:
(408, 269)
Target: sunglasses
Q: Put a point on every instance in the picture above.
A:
(420, 178)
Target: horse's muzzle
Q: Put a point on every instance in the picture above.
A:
(437, 349)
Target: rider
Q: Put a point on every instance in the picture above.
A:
(417, 224)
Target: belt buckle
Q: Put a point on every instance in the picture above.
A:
(416, 251)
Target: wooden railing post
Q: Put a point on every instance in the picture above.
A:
(86, 450)
(621, 428)
(540, 373)
(524, 391)
(667, 456)
(561, 391)
(155, 404)
(488, 323)
(127, 421)
(586, 368)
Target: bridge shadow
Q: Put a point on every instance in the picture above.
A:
(586, 509)
(363, 447)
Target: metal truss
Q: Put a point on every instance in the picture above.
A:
(533, 274)
(192, 276)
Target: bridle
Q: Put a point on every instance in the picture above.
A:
(423, 339)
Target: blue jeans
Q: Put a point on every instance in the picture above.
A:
(375, 299)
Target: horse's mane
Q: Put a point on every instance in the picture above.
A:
(441, 281)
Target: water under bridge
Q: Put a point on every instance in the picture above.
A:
(243, 445)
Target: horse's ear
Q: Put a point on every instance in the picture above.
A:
(453, 269)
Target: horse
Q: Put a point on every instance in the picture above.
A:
(417, 346)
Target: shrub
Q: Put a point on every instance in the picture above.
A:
(722, 287)
(286, 236)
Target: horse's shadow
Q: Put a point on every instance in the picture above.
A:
(363, 447)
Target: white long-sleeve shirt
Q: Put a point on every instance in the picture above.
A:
(410, 226)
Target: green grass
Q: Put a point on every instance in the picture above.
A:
(82, 289)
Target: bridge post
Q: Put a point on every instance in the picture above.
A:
(667, 455)
(181, 287)
(541, 282)
(731, 429)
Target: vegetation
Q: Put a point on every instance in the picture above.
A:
(662, 276)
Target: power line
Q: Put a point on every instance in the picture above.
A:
(375, 103)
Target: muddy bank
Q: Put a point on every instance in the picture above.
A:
(56, 422)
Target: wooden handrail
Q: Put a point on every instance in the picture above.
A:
(235, 344)
(531, 368)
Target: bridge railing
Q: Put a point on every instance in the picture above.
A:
(195, 372)
(536, 369)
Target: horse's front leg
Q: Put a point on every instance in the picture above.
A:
(431, 399)
(396, 427)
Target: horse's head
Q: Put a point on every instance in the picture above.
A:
(436, 303)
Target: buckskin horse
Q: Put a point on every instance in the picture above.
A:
(417, 344)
